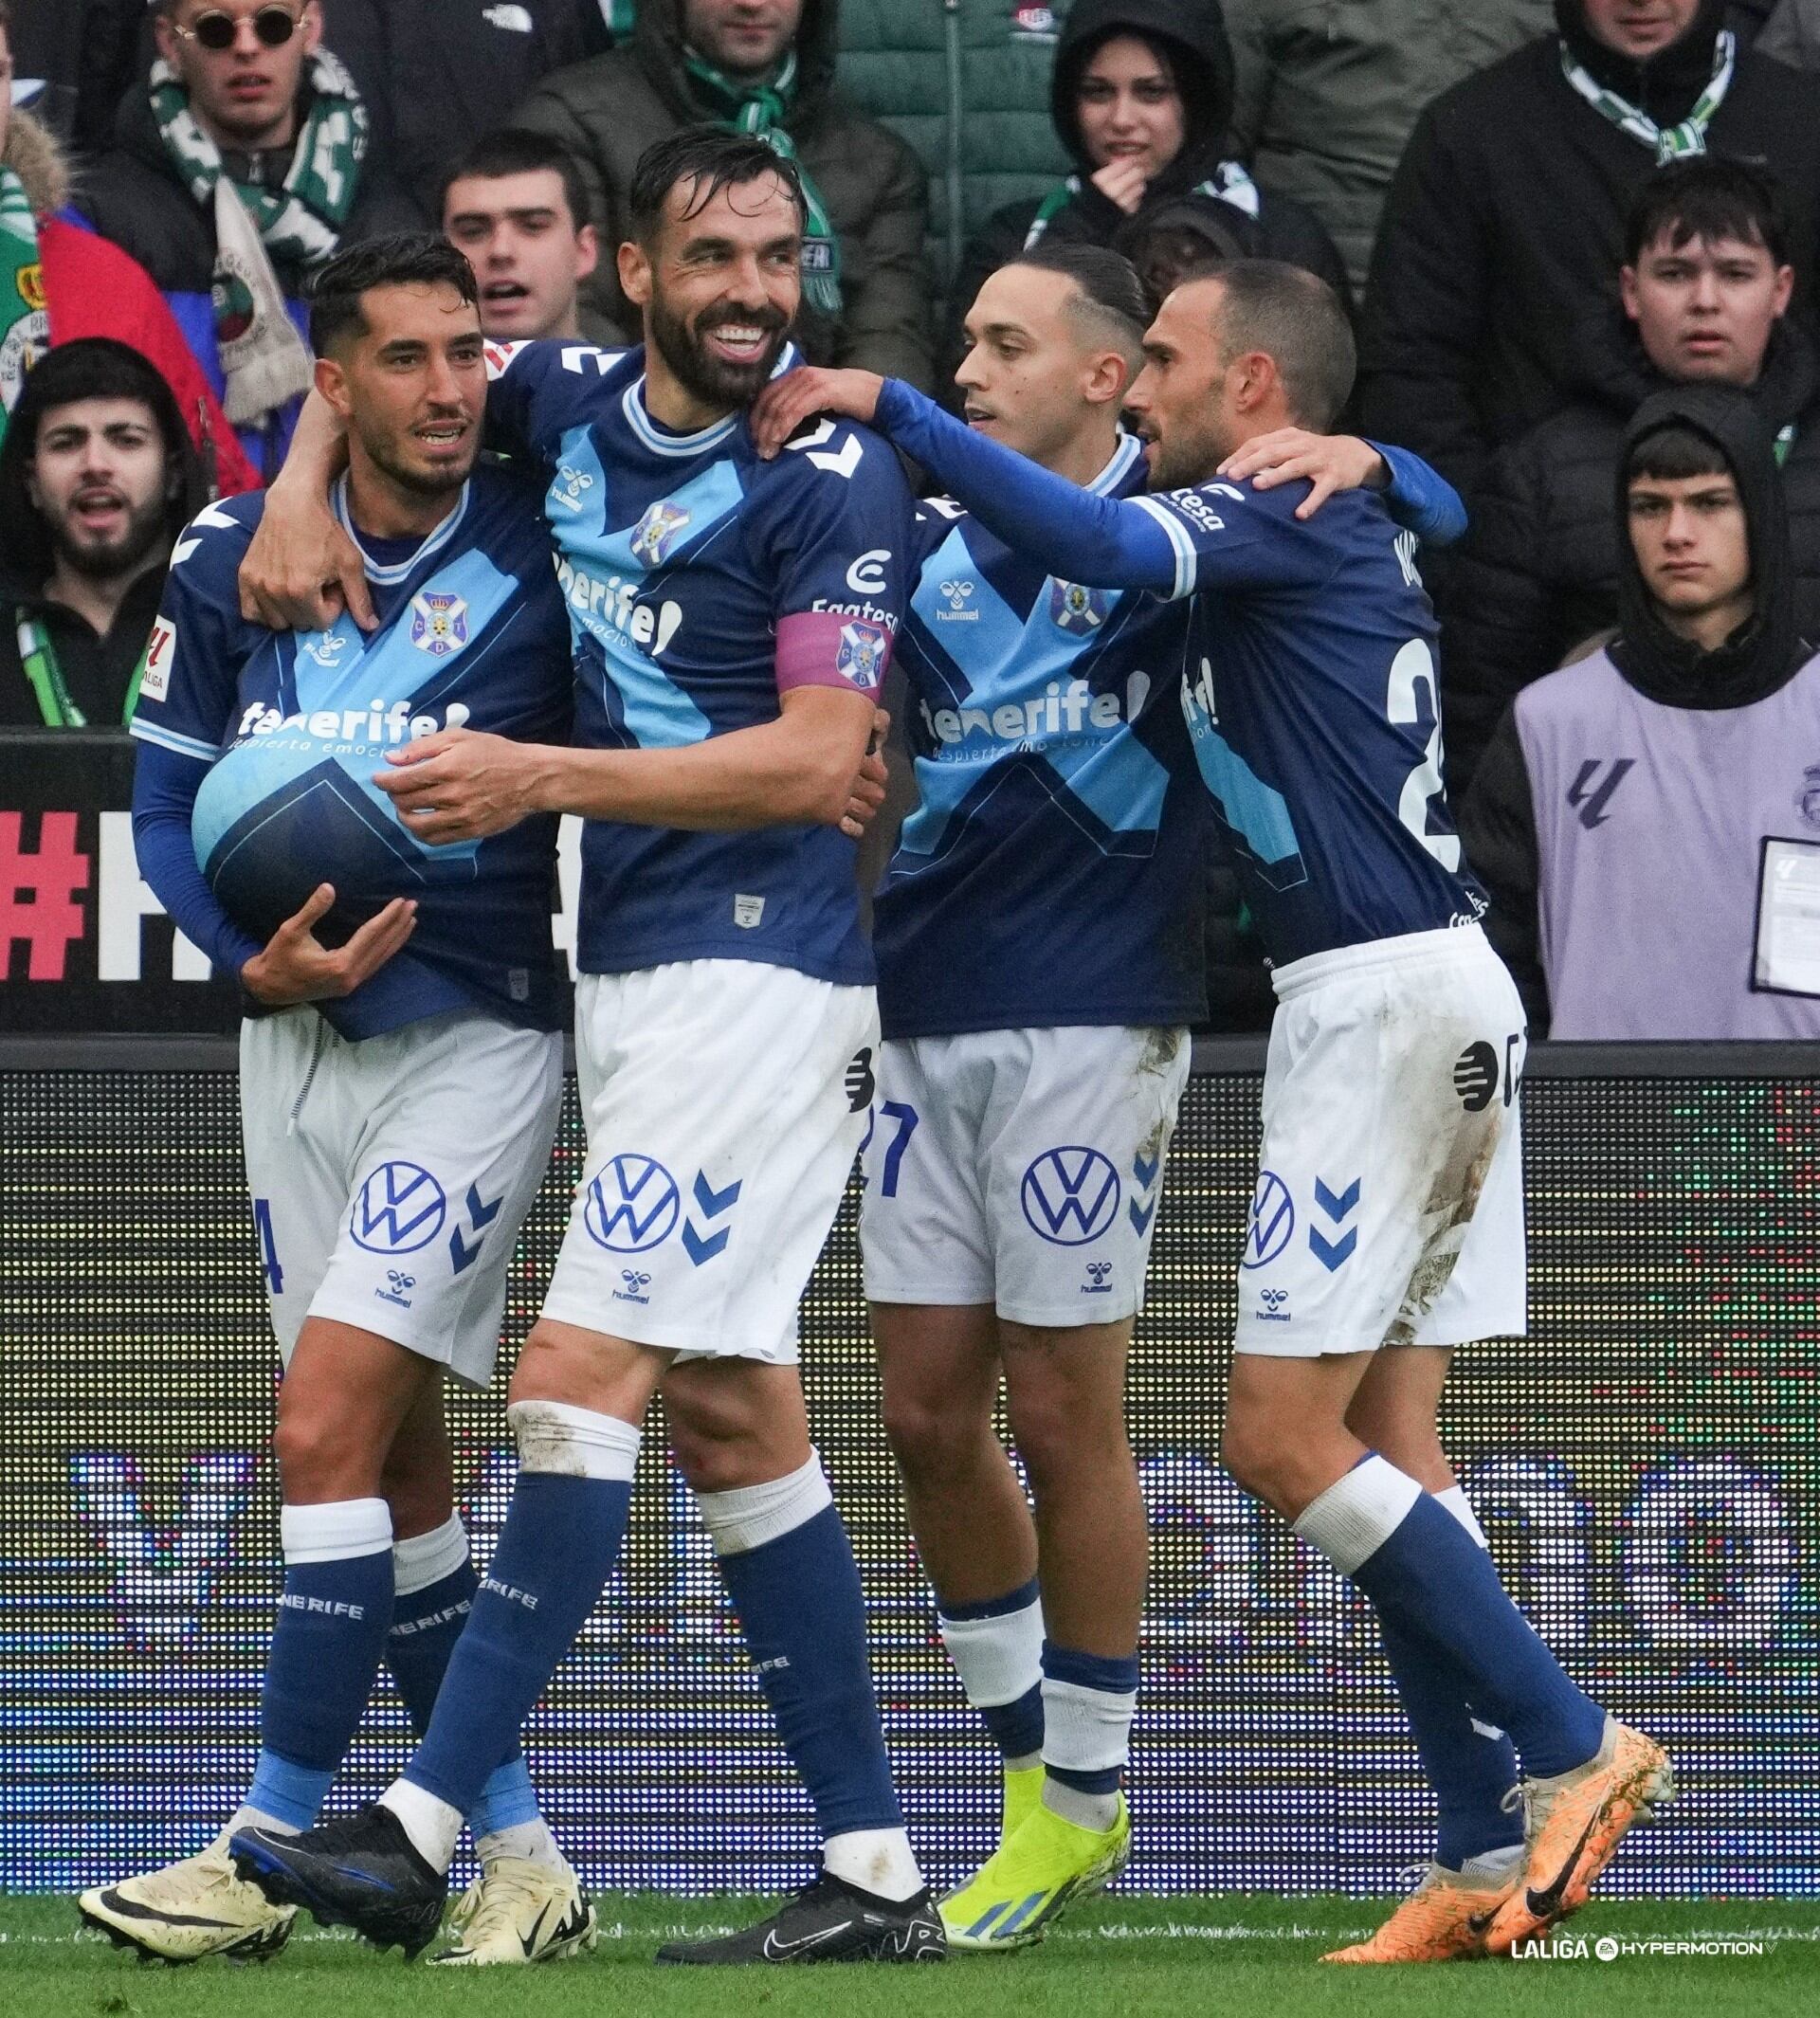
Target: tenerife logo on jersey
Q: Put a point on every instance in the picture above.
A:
(862, 655)
(613, 606)
(656, 532)
(956, 594)
(379, 721)
(438, 622)
(1070, 1196)
(400, 1209)
(1079, 611)
(632, 1205)
(1071, 710)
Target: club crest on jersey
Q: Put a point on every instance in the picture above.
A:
(862, 654)
(438, 622)
(1079, 611)
(657, 532)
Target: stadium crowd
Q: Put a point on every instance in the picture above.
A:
(1546, 221)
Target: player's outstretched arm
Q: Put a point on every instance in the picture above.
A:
(1416, 496)
(817, 765)
(1099, 541)
(301, 570)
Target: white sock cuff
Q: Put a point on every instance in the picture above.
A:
(1358, 1513)
(1454, 1499)
(334, 1531)
(999, 1658)
(750, 1516)
(421, 1560)
(576, 1443)
(1086, 1730)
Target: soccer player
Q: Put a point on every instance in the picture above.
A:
(1025, 1104)
(401, 1065)
(1387, 1224)
(733, 622)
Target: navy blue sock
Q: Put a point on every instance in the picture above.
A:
(325, 1653)
(1430, 1580)
(426, 1624)
(996, 1646)
(800, 1607)
(561, 1538)
(1090, 1701)
(1470, 1773)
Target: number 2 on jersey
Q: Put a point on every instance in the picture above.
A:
(1414, 668)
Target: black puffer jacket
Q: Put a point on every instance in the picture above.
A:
(1504, 225)
(1539, 574)
(1195, 34)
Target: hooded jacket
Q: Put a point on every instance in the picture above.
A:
(134, 195)
(1538, 572)
(1192, 33)
(1504, 230)
(94, 289)
(608, 110)
(97, 669)
(1545, 823)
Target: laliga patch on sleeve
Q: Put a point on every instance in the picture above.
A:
(500, 357)
(155, 673)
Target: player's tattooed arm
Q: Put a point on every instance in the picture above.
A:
(817, 765)
(301, 570)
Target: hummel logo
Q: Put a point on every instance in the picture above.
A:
(777, 1951)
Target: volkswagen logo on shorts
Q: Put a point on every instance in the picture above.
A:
(1070, 1196)
(632, 1205)
(1273, 1220)
(399, 1208)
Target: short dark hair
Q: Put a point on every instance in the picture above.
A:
(1709, 197)
(94, 368)
(517, 151)
(402, 259)
(1673, 451)
(1110, 289)
(713, 160)
(1294, 318)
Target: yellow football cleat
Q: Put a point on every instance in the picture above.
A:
(1444, 1919)
(1022, 1795)
(519, 1912)
(1032, 1877)
(1575, 1822)
(196, 1907)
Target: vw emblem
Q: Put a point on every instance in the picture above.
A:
(1273, 1221)
(400, 1209)
(632, 1203)
(1070, 1196)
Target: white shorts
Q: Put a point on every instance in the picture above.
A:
(390, 1177)
(1020, 1168)
(724, 1100)
(1389, 1208)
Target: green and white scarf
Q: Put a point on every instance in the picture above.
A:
(1230, 182)
(25, 319)
(265, 362)
(762, 109)
(1671, 143)
(45, 676)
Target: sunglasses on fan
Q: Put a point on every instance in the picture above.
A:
(216, 30)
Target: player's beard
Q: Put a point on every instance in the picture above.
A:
(107, 560)
(443, 482)
(708, 378)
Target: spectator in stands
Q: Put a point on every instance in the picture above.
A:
(59, 282)
(1506, 222)
(515, 204)
(763, 67)
(1792, 34)
(1180, 235)
(97, 478)
(1648, 822)
(1327, 95)
(240, 169)
(1141, 94)
(1705, 286)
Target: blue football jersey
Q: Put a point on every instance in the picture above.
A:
(293, 726)
(1052, 872)
(1311, 696)
(700, 583)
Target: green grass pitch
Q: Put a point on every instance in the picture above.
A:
(1231, 1957)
